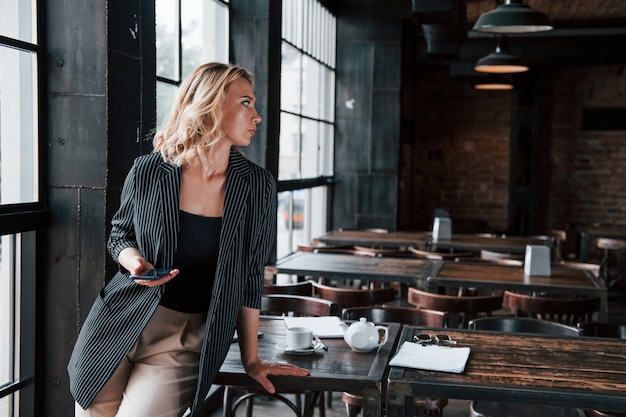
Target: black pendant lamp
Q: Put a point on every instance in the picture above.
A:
(501, 61)
(512, 17)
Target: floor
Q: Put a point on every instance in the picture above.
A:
(455, 408)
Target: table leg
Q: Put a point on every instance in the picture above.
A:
(399, 400)
(371, 403)
(584, 246)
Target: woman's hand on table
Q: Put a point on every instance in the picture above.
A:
(260, 369)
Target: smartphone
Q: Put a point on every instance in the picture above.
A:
(152, 274)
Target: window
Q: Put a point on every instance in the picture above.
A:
(188, 33)
(305, 162)
(21, 200)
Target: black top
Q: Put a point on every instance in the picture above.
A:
(196, 257)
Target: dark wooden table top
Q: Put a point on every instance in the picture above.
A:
(332, 265)
(338, 369)
(375, 239)
(563, 371)
(463, 242)
(562, 280)
(509, 244)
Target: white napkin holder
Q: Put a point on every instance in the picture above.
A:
(442, 229)
(537, 260)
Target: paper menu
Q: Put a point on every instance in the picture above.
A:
(431, 357)
(323, 327)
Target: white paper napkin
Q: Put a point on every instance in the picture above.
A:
(431, 357)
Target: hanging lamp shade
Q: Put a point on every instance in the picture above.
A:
(493, 82)
(501, 61)
(512, 17)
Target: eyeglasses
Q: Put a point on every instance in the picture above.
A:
(438, 339)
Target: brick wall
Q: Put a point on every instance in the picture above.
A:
(456, 152)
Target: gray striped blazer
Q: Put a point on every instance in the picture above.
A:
(148, 219)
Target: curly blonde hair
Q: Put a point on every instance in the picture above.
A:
(194, 124)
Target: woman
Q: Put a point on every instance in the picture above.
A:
(199, 209)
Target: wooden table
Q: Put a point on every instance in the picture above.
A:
(389, 240)
(572, 372)
(463, 242)
(589, 233)
(338, 369)
(562, 280)
(476, 243)
(341, 266)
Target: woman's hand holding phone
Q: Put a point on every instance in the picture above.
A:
(152, 277)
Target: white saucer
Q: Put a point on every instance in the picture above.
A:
(308, 351)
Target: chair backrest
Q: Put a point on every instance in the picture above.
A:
(558, 240)
(602, 329)
(323, 248)
(439, 255)
(380, 252)
(523, 325)
(562, 310)
(493, 255)
(298, 305)
(355, 297)
(298, 288)
(463, 308)
(397, 314)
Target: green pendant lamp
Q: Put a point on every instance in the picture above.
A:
(512, 17)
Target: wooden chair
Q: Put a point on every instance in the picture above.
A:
(322, 248)
(430, 407)
(279, 304)
(354, 297)
(298, 305)
(559, 237)
(493, 255)
(460, 309)
(437, 256)
(566, 310)
(380, 252)
(298, 288)
(521, 325)
(613, 266)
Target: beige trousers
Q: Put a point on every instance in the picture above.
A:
(158, 376)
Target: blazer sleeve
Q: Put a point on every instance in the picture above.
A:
(264, 240)
(122, 234)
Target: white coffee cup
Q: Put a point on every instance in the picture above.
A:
(299, 338)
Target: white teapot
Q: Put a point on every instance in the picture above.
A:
(363, 336)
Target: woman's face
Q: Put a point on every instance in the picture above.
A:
(239, 117)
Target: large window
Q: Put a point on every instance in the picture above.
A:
(21, 201)
(306, 121)
(188, 33)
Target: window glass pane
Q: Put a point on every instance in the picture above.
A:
(311, 87)
(296, 222)
(290, 79)
(288, 164)
(327, 94)
(9, 320)
(204, 33)
(18, 20)
(166, 93)
(309, 155)
(216, 41)
(167, 39)
(326, 150)
(18, 127)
